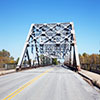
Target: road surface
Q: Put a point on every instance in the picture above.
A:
(48, 83)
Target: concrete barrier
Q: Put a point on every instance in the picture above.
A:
(93, 77)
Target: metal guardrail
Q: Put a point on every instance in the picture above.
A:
(9, 66)
(91, 67)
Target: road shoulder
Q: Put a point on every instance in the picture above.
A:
(4, 72)
(93, 77)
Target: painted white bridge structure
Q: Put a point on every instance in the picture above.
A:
(48, 41)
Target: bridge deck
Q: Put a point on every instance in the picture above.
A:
(46, 84)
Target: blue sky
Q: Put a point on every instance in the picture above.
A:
(16, 16)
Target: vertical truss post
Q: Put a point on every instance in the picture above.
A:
(71, 55)
(76, 56)
(36, 50)
(24, 49)
(28, 57)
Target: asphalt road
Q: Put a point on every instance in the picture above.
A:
(48, 83)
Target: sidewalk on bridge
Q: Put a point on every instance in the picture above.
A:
(3, 72)
(93, 77)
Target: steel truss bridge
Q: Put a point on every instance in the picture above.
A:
(48, 41)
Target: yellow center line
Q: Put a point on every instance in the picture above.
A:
(9, 97)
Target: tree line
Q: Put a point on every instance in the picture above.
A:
(90, 62)
(89, 59)
(6, 58)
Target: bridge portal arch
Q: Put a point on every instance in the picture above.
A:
(47, 41)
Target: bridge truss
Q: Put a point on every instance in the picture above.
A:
(56, 40)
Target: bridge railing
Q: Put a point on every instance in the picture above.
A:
(91, 67)
(9, 66)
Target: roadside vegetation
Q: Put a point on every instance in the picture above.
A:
(54, 61)
(6, 58)
(90, 62)
(89, 59)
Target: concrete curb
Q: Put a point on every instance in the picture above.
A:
(7, 72)
(93, 81)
